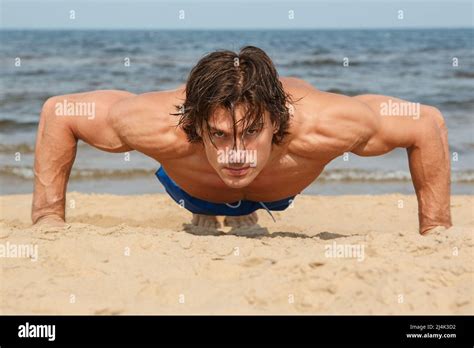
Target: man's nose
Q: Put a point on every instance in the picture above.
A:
(238, 154)
(238, 143)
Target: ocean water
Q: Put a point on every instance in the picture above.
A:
(418, 65)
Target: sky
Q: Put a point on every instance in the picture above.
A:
(234, 14)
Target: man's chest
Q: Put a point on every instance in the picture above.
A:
(284, 178)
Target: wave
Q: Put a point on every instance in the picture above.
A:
(333, 175)
(9, 125)
(464, 74)
(360, 175)
(320, 50)
(26, 173)
(36, 72)
(22, 148)
(317, 62)
(116, 49)
(464, 104)
(164, 64)
(13, 98)
(27, 148)
(349, 92)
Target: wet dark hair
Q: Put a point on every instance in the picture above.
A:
(225, 79)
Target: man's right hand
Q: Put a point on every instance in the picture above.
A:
(51, 220)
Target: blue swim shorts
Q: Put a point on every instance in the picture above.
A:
(199, 206)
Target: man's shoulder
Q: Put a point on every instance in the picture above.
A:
(147, 124)
(326, 124)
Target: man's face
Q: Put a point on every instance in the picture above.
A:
(237, 165)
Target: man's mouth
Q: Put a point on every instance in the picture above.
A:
(241, 171)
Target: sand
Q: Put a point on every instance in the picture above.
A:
(326, 255)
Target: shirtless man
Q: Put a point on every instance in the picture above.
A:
(284, 130)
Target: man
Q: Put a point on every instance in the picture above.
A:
(236, 138)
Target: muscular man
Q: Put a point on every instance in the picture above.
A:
(237, 138)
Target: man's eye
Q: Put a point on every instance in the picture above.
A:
(252, 131)
(218, 134)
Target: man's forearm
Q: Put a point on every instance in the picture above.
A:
(54, 155)
(431, 173)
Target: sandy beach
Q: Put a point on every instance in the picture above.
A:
(325, 255)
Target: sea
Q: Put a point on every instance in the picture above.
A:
(429, 66)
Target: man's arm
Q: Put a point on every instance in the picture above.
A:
(56, 143)
(423, 133)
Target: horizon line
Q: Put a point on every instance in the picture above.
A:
(240, 29)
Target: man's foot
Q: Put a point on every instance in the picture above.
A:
(241, 221)
(206, 221)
